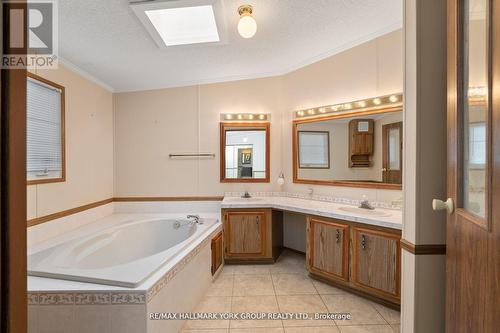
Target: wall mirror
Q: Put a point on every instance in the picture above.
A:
(360, 149)
(244, 152)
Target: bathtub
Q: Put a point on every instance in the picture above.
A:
(124, 255)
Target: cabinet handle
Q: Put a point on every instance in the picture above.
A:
(337, 236)
(363, 242)
(258, 220)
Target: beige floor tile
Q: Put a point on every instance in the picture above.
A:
(289, 267)
(254, 304)
(326, 289)
(390, 315)
(211, 304)
(321, 329)
(257, 330)
(221, 330)
(253, 285)
(366, 329)
(222, 286)
(361, 310)
(250, 269)
(309, 304)
(396, 328)
(293, 284)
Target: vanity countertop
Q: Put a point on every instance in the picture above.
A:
(388, 218)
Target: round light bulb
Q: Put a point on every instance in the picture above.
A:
(393, 98)
(247, 26)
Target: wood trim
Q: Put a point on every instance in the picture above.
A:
(355, 232)
(423, 249)
(63, 132)
(186, 198)
(345, 243)
(13, 239)
(67, 212)
(263, 230)
(327, 147)
(244, 126)
(360, 184)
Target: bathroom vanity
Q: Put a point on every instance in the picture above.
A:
(349, 247)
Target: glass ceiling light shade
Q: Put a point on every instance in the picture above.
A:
(247, 26)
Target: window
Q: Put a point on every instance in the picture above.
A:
(45, 131)
(314, 150)
(477, 144)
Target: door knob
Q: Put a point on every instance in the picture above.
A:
(384, 169)
(443, 205)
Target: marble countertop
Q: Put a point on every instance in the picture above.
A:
(388, 218)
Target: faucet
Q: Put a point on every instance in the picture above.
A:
(365, 204)
(246, 195)
(195, 219)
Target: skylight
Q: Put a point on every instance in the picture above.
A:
(185, 25)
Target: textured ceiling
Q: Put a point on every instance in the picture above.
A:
(105, 39)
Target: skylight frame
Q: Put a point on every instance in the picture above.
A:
(140, 8)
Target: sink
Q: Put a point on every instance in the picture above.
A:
(245, 199)
(365, 212)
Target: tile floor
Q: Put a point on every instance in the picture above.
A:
(285, 287)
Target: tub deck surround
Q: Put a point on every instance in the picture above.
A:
(328, 207)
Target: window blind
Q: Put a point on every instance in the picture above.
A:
(44, 142)
(313, 150)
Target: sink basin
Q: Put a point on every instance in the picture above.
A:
(245, 199)
(365, 212)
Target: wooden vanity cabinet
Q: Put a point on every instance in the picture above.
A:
(328, 248)
(376, 261)
(249, 235)
(362, 258)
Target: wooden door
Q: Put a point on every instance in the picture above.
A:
(473, 225)
(376, 261)
(328, 248)
(392, 153)
(245, 234)
(216, 252)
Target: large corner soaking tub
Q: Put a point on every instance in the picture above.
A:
(123, 255)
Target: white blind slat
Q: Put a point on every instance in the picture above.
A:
(44, 128)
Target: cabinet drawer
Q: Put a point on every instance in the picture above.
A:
(328, 245)
(376, 261)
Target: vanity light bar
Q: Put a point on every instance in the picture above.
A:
(245, 116)
(375, 102)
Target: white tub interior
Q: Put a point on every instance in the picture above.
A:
(123, 255)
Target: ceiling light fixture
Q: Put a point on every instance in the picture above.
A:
(247, 26)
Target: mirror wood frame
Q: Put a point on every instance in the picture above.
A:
(224, 127)
(365, 112)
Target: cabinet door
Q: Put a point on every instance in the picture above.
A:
(376, 261)
(216, 252)
(328, 248)
(246, 233)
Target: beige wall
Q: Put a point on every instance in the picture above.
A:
(151, 124)
(371, 69)
(89, 147)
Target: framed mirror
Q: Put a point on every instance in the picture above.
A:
(245, 153)
(359, 149)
